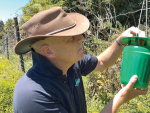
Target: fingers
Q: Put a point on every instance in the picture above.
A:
(132, 31)
(132, 81)
(131, 84)
(141, 92)
(135, 30)
(130, 35)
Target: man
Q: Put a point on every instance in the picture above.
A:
(54, 83)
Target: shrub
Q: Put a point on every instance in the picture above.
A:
(6, 95)
(9, 75)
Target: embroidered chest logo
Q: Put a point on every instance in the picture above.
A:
(77, 82)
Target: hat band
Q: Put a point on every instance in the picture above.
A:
(53, 32)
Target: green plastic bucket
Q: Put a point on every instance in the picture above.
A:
(136, 61)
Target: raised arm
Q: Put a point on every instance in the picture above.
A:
(111, 54)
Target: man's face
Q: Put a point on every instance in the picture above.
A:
(69, 49)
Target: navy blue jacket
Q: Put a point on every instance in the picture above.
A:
(44, 89)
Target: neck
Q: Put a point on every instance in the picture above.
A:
(64, 66)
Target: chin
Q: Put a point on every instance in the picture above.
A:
(81, 57)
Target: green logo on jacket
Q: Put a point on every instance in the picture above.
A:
(77, 82)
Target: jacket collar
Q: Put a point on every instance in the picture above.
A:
(44, 66)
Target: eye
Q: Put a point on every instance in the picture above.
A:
(83, 35)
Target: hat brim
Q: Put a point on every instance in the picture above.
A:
(82, 25)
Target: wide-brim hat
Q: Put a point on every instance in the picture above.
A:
(51, 23)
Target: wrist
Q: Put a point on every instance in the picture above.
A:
(113, 105)
(119, 43)
(119, 39)
(116, 103)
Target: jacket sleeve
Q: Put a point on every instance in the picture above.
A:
(88, 64)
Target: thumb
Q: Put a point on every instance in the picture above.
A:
(130, 35)
(132, 81)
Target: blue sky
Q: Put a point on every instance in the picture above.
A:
(9, 8)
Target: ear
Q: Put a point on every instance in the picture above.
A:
(47, 51)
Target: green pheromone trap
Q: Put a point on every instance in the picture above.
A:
(136, 61)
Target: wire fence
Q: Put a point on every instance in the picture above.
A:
(100, 85)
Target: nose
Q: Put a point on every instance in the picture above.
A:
(80, 38)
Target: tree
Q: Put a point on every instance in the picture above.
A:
(126, 7)
(9, 24)
(35, 6)
(1, 25)
(1, 29)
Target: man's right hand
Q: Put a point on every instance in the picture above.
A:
(125, 94)
(128, 92)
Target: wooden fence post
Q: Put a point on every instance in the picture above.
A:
(7, 48)
(18, 39)
(3, 46)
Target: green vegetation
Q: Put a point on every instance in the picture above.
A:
(9, 74)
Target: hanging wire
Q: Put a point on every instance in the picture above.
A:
(141, 13)
(146, 16)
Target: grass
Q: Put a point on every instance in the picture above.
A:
(10, 72)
